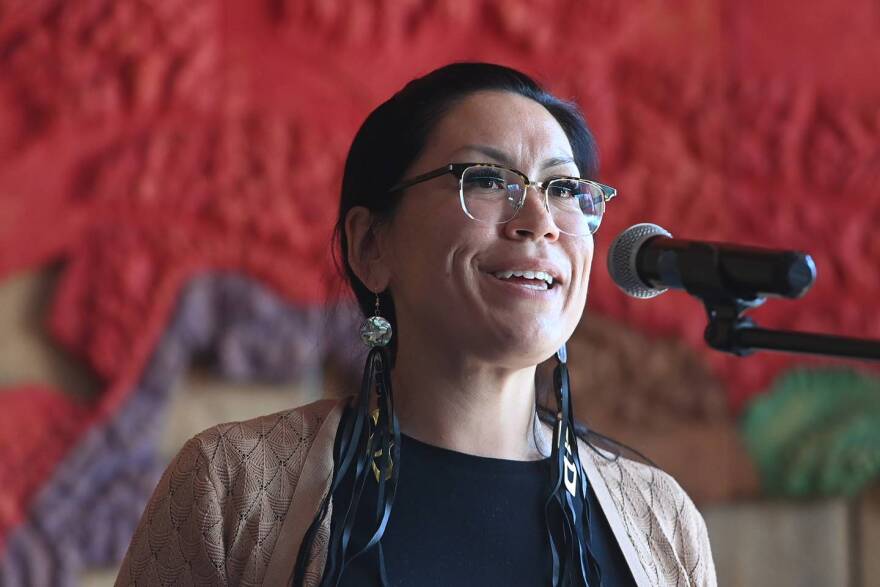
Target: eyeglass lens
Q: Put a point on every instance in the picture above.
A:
(495, 195)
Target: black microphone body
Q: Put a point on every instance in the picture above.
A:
(645, 260)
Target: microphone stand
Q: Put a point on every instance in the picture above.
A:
(729, 331)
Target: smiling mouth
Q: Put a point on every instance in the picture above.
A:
(537, 280)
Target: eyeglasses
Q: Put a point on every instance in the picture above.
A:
(495, 194)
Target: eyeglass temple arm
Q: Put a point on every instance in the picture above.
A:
(423, 177)
(608, 192)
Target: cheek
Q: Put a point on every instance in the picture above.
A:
(421, 252)
(582, 261)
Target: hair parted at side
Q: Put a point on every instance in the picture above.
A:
(394, 135)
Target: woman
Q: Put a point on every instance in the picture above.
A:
(465, 230)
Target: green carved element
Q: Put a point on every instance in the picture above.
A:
(816, 432)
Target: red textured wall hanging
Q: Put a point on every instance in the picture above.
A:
(143, 144)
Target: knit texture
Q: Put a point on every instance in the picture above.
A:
(220, 508)
(216, 513)
(667, 531)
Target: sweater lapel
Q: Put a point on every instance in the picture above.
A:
(614, 517)
(313, 484)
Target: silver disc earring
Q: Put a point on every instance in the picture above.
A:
(376, 330)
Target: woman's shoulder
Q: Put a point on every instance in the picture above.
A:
(639, 486)
(657, 514)
(220, 505)
(632, 475)
(281, 432)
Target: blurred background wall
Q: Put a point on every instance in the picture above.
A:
(168, 178)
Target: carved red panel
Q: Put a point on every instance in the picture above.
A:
(142, 143)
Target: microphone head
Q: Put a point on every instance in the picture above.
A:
(622, 259)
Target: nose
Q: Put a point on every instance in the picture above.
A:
(533, 220)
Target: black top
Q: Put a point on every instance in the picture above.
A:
(464, 520)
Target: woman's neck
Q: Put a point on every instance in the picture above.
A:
(472, 408)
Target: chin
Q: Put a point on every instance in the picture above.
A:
(513, 341)
(527, 350)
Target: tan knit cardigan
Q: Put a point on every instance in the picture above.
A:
(233, 506)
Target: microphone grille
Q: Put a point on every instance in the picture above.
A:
(622, 259)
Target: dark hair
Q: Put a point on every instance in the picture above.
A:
(394, 135)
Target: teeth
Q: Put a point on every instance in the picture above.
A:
(546, 277)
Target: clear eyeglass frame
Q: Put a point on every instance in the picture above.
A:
(458, 170)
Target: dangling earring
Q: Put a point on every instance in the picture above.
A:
(366, 439)
(376, 330)
(568, 494)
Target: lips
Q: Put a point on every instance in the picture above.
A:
(537, 279)
(529, 276)
(528, 271)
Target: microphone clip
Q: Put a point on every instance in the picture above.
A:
(702, 277)
(726, 320)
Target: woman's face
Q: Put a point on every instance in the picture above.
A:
(442, 266)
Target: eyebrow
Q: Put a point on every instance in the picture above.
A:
(556, 161)
(502, 157)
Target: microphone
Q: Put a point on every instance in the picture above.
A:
(644, 261)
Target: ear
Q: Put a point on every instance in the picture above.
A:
(366, 253)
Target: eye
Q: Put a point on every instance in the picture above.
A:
(485, 181)
(564, 188)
